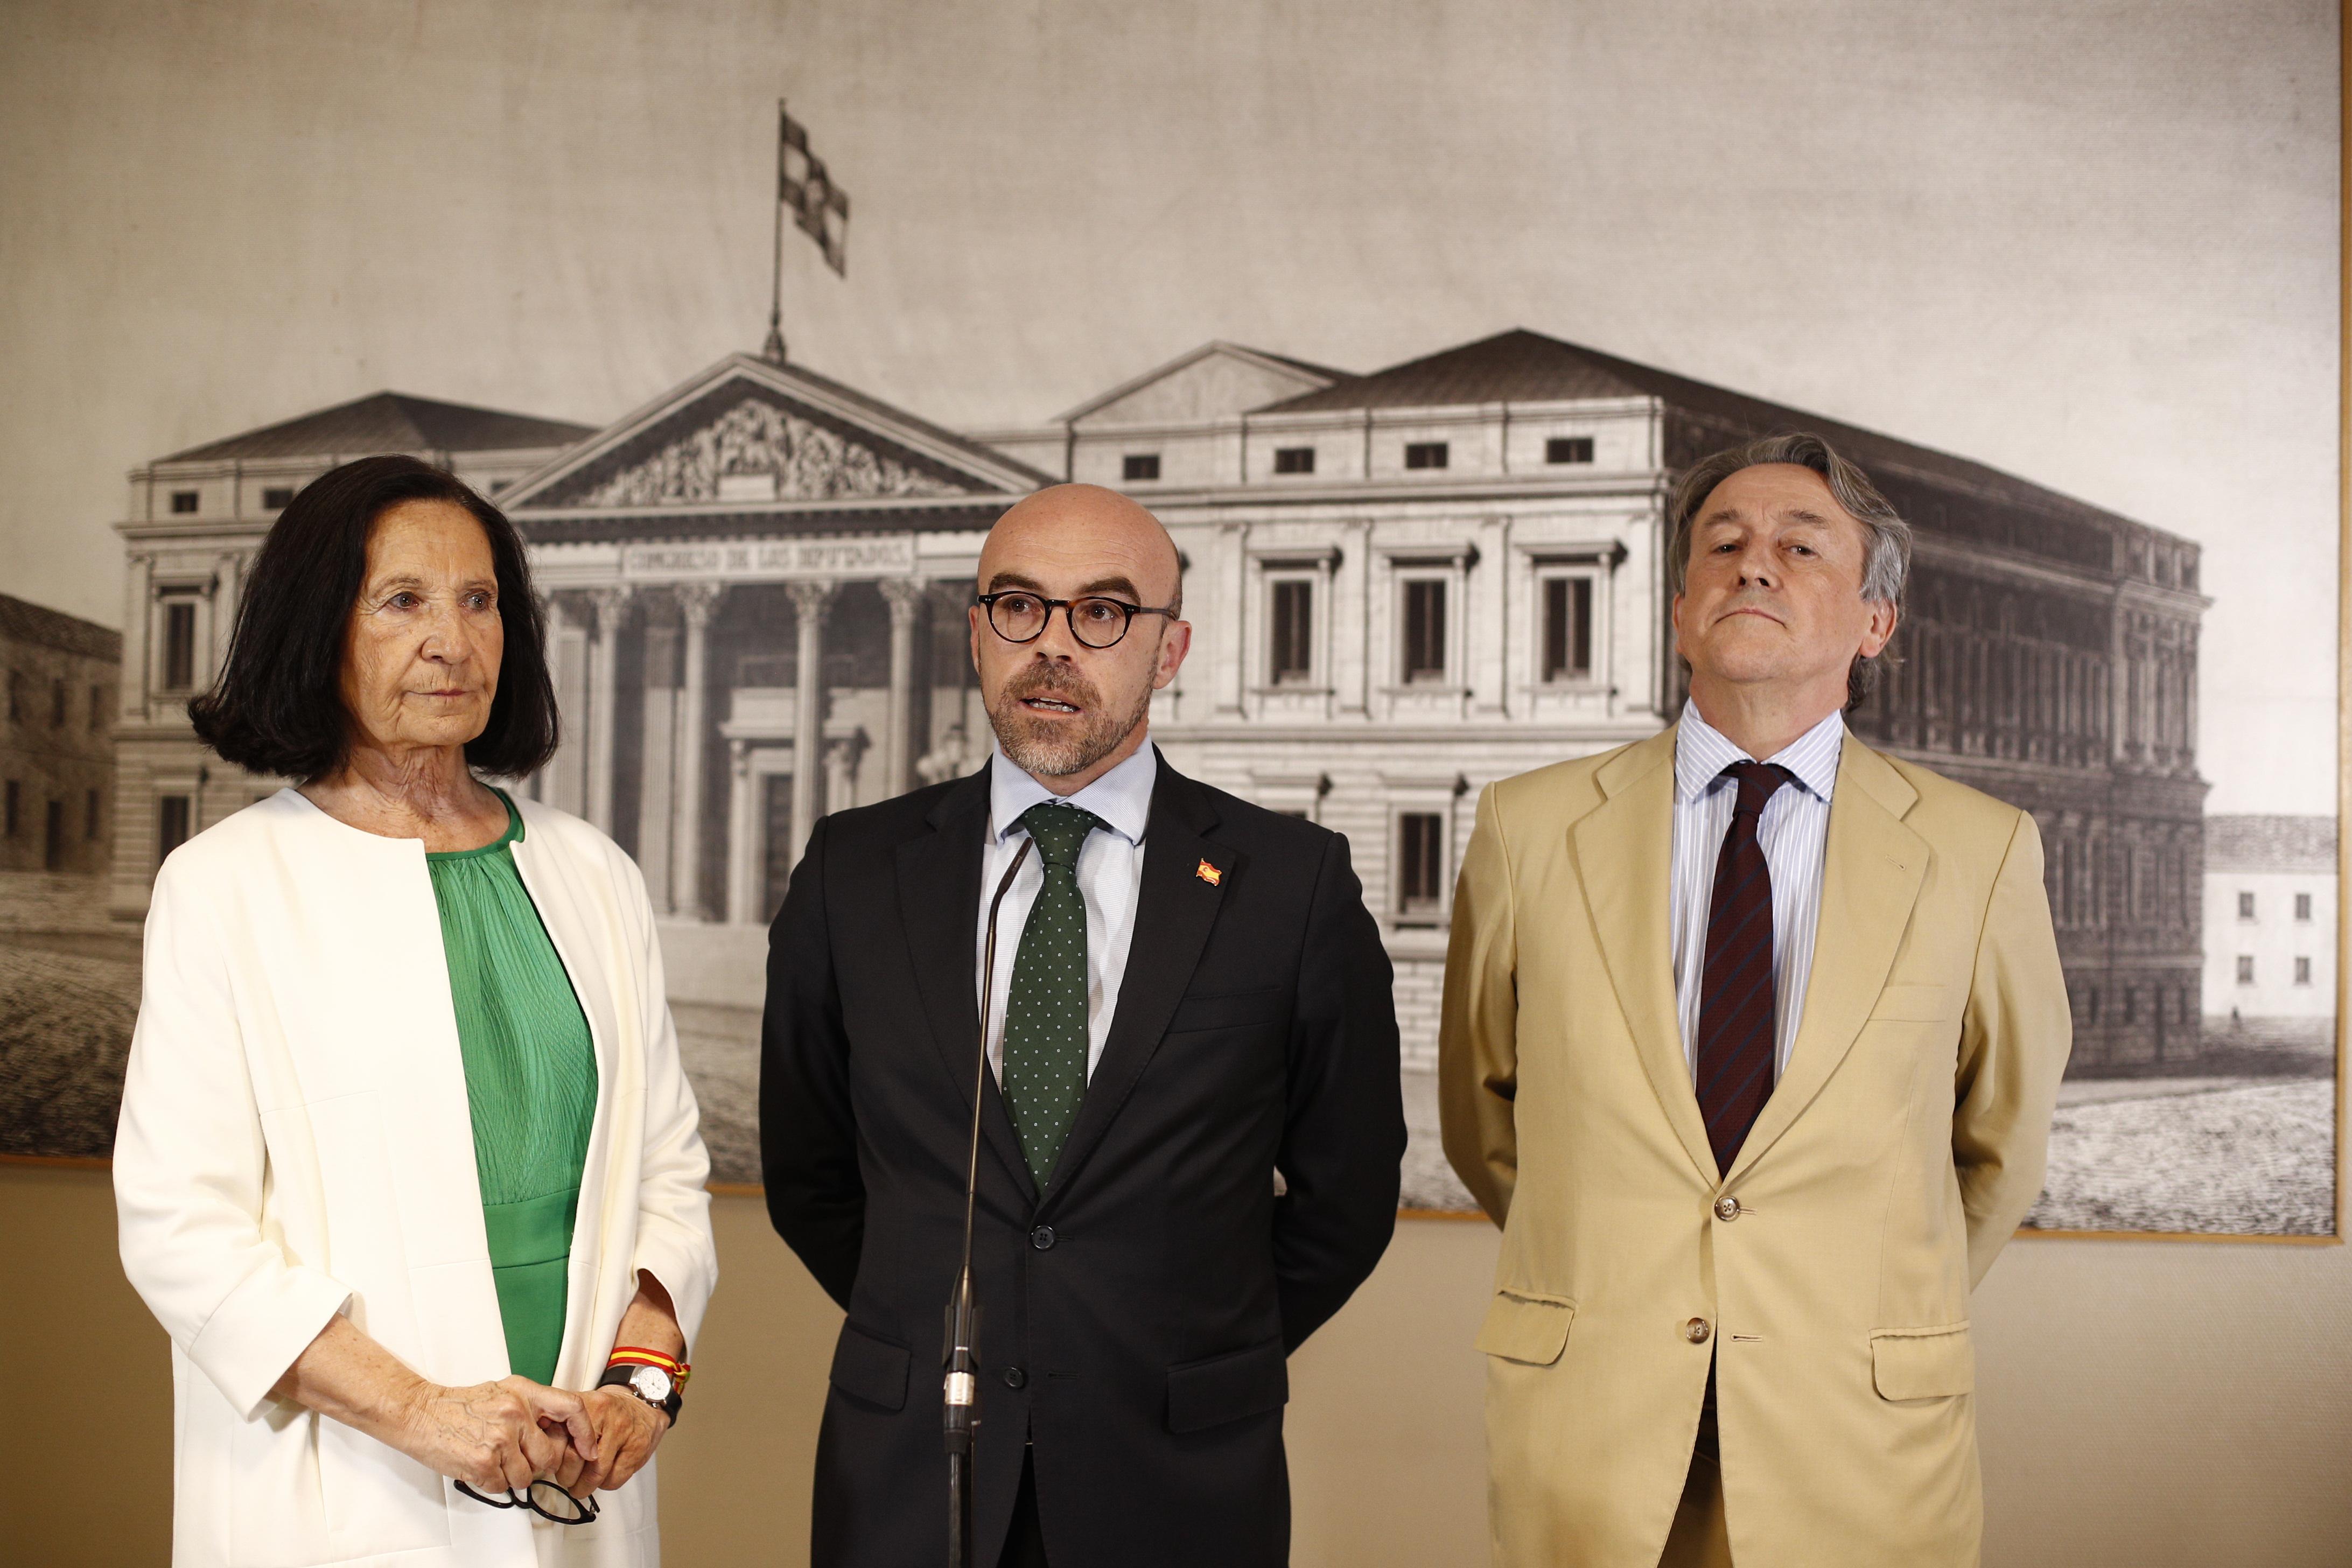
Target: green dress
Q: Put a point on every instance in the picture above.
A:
(531, 1081)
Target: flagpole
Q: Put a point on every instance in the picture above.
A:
(775, 347)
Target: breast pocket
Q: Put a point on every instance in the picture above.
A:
(1233, 1010)
(1914, 1004)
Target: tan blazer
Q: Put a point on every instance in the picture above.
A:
(1900, 1150)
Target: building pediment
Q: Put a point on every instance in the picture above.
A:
(760, 448)
(1215, 381)
(750, 433)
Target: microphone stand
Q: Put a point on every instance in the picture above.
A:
(960, 1412)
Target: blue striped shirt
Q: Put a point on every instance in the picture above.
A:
(1793, 833)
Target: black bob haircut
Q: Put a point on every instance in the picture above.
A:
(278, 707)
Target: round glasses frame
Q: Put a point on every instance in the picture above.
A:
(1015, 605)
(583, 1510)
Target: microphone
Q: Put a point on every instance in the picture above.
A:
(959, 1411)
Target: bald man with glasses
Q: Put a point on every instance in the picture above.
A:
(1191, 1115)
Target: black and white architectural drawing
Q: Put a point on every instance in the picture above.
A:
(1405, 583)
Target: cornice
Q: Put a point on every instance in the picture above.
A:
(1645, 485)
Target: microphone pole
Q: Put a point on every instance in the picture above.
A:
(960, 1412)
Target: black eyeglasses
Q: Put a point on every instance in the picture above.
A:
(558, 1504)
(1018, 615)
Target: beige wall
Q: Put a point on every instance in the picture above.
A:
(2143, 1403)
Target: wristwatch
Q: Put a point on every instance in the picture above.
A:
(650, 1384)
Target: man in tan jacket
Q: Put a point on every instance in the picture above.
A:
(1750, 1041)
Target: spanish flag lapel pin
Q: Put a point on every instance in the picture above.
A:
(1208, 873)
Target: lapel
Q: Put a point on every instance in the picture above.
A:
(1624, 857)
(1872, 871)
(939, 899)
(1175, 909)
(578, 915)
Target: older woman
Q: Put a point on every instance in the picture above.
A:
(407, 1165)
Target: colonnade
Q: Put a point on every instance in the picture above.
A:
(827, 757)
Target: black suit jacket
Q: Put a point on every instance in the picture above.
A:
(1137, 1313)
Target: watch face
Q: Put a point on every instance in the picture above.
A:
(651, 1383)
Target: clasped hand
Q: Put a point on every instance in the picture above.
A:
(500, 1436)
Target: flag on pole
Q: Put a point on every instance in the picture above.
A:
(820, 208)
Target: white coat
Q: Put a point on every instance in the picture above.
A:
(295, 1142)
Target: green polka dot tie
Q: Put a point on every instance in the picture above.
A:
(1045, 1010)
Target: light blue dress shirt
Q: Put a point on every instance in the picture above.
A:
(1110, 875)
(1793, 833)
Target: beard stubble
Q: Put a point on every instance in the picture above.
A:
(1047, 749)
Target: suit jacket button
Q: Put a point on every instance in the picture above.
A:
(1727, 1208)
(1014, 1377)
(1042, 1238)
(1697, 1330)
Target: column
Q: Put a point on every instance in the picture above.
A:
(905, 597)
(134, 806)
(2188, 699)
(743, 847)
(1351, 650)
(699, 603)
(2118, 677)
(1240, 621)
(945, 747)
(1487, 619)
(138, 614)
(657, 763)
(603, 650)
(562, 783)
(841, 755)
(228, 592)
(812, 602)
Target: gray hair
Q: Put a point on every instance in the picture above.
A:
(1886, 537)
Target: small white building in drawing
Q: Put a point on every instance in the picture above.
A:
(2270, 929)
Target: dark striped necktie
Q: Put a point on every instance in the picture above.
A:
(1737, 1010)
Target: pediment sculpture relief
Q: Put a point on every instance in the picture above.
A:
(731, 458)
